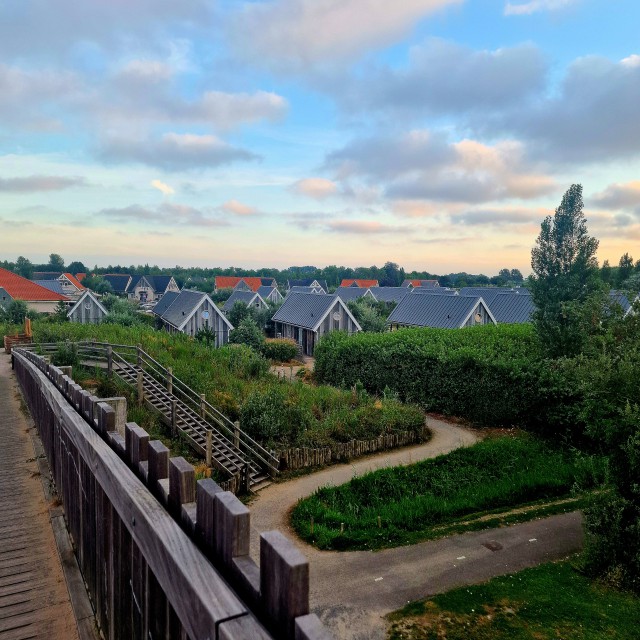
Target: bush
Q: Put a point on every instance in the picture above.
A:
(248, 333)
(279, 349)
(66, 355)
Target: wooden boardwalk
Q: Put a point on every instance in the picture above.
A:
(34, 600)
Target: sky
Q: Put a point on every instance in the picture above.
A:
(436, 134)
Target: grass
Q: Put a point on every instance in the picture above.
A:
(469, 488)
(548, 602)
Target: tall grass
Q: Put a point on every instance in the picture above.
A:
(412, 500)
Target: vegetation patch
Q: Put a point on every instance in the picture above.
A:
(544, 603)
(404, 505)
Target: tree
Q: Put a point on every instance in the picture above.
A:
(60, 312)
(247, 332)
(56, 262)
(625, 269)
(606, 273)
(97, 284)
(77, 267)
(238, 313)
(516, 276)
(16, 312)
(565, 276)
(24, 267)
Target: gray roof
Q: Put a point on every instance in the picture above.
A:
(165, 302)
(512, 308)
(621, 299)
(305, 309)
(46, 275)
(489, 293)
(389, 294)
(158, 283)
(444, 312)
(351, 293)
(182, 306)
(245, 297)
(315, 290)
(82, 299)
(434, 291)
(52, 285)
(265, 291)
(423, 283)
(119, 281)
(305, 282)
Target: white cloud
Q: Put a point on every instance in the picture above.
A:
(171, 214)
(620, 196)
(298, 34)
(533, 6)
(162, 187)
(364, 227)
(318, 188)
(236, 208)
(30, 184)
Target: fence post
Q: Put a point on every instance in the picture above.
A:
(182, 484)
(174, 417)
(246, 479)
(158, 456)
(139, 355)
(236, 434)
(109, 360)
(140, 388)
(209, 447)
(202, 401)
(170, 379)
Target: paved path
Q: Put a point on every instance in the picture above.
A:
(34, 601)
(351, 591)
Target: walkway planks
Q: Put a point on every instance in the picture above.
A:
(34, 601)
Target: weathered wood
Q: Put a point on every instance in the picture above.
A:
(232, 527)
(284, 581)
(241, 628)
(169, 380)
(137, 444)
(158, 464)
(206, 491)
(182, 484)
(309, 627)
(209, 448)
(140, 387)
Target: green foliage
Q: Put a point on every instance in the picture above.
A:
(206, 335)
(280, 349)
(239, 312)
(56, 262)
(66, 355)
(371, 315)
(413, 500)
(565, 277)
(24, 267)
(247, 332)
(549, 601)
(15, 312)
(97, 284)
(60, 312)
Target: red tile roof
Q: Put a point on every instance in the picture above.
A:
(20, 288)
(420, 283)
(229, 282)
(81, 276)
(347, 282)
(74, 281)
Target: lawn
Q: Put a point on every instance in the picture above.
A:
(404, 505)
(550, 602)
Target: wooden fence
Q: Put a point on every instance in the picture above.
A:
(303, 457)
(162, 555)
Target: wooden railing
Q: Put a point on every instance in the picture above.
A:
(162, 555)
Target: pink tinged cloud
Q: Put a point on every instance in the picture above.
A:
(318, 188)
(534, 6)
(619, 196)
(236, 208)
(31, 184)
(363, 227)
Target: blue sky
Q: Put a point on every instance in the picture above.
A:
(433, 133)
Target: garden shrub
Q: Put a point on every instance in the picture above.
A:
(280, 349)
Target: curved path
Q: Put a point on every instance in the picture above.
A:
(351, 590)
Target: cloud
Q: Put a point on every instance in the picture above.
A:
(444, 77)
(32, 184)
(173, 151)
(533, 6)
(172, 214)
(364, 227)
(619, 196)
(300, 34)
(421, 165)
(162, 187)
(236, 208)
(500, 216)
(318, 188)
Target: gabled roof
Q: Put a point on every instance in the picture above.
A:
(621, 299)
(350, 282)
(389, 294)
(308, 310)
(489, 293)
(307, 282)
(81, 300)
(265, 291)
(52, 285)
(157, 283)
(420, 283)
(74, 281)
(245, 297)
(316, 290)
(46, 275)
(433, 291)
(165, 302)
(254, 283)
(352, 293)
(81, 276)
(512, 308)
(20, 288)
(119, 282)
(444, 312)
(5, 298)
(185, 305)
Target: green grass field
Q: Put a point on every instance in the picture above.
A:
(549, 602)
(431, 498)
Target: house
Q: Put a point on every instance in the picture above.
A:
(306, 317)
(389, 294)
(120, 282)
(243, 283)
(151, 288)
(619, 298)
(433, 291)
(5, 299)
(308, 282)
(489, 293)
(311, 289)
(420, 283)
(52, 285)
(46, 275)
(350, 282)
(87, 310)
(270, 294)
(347, 294)
(71, 286)
(444, 312)
(248, 298)
(37, 298)
(512, 308)
(192, 311)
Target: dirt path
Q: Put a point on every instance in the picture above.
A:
(351, 591)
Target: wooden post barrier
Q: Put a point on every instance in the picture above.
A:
(140, 388)
(109, 361)
(202, 405)
(209, 448)
(170, 380)
(182, 485)
(236, 434)
(158, 457)
(174, 417)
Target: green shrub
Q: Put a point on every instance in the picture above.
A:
(66, 355)
(247, 332)
(279, 349)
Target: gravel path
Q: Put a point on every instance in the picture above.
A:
(351, 591)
